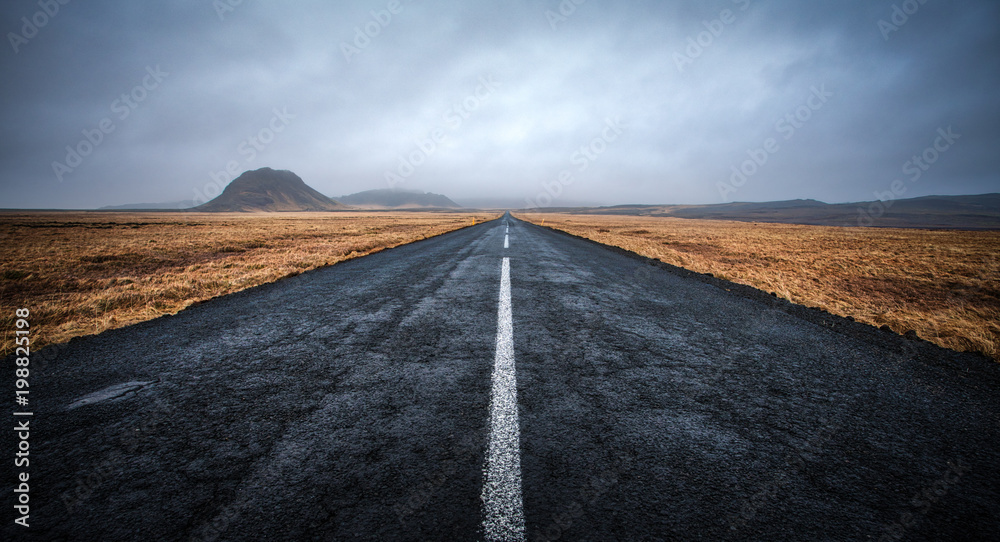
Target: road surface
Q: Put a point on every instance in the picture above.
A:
(506, 382)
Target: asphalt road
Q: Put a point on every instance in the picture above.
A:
(361, 402)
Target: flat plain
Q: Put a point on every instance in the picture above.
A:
(80, 273)
(942, 284)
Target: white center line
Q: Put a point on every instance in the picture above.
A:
(503, 512)
(506, 241)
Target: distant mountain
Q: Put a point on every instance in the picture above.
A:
(172, 205)
(501, 203)
(266, 189)
(935, 212)
(398, 199)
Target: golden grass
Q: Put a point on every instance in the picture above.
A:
(945, 285)
(83, 273)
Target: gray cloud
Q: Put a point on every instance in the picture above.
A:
(555, 81)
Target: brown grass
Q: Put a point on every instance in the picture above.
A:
(945, 285)
(83, 273)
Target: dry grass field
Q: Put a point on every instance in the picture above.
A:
(945, 285)
(83, 273)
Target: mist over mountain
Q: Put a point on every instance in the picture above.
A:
(398, 199)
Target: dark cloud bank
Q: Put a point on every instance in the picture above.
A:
(550, 102)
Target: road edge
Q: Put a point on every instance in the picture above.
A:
(914, 348)
(50, 351)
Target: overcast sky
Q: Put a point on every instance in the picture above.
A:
(557, 103)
